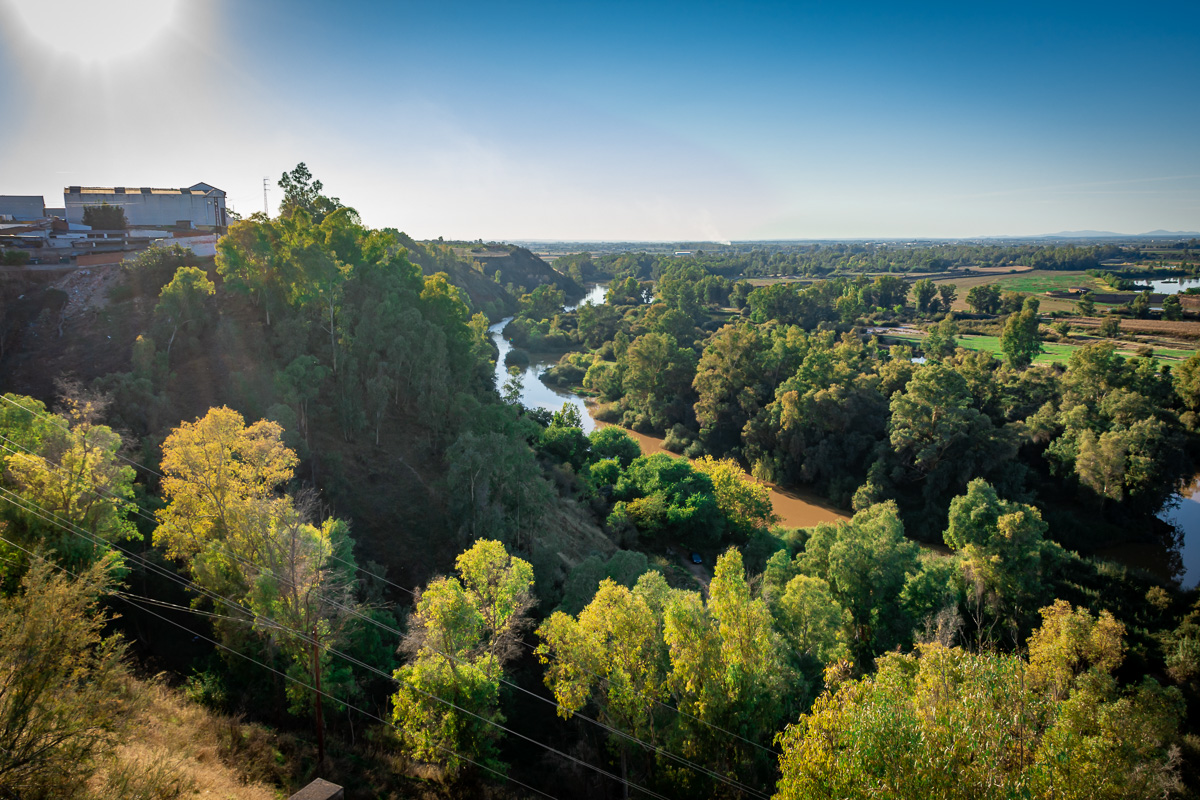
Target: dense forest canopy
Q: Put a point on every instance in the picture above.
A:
(308, 502)
(843, 258)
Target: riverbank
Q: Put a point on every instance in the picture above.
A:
(795, 509)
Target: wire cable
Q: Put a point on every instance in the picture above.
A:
(53, 419)
(352, 660)
(653, 748)
(129, 599)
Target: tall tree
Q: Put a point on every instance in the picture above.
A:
(924, 291)
(302, 193)
(865, 562)
(238, 538)
(105, 217)
(1021, 340)
(67, 466)
(447, 701)
(182, 301)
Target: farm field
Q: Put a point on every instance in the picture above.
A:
(1055, 351)
(1184, 329)
(1036, 282)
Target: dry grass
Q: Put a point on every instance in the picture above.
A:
(1180, 329)
(175, 750)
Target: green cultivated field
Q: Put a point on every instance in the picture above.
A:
(1052, 351)
(1041, 282)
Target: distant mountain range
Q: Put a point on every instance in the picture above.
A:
(1159, 234)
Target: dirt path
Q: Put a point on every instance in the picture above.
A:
(698, 572)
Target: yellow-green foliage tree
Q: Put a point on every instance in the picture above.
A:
(745, 502)
(612, 655)
(947, 723)
(66, 471)
(238, 538)
(719, 661)
(463, 632)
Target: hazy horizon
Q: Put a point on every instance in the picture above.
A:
(623, 121)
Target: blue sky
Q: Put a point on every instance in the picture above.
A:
(643, 121)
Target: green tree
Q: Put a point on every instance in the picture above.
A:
(67, 467)
(947, 292)
(865, 562)
(597, 323)
(1140, 306)
(543, 302)
(1021, 341)
(924, 291)
(182, 301)
(1087, 304)
(238, 538)
(812, 621)
(250, 260)
(941, 340)
(462, 633)
(563, 440)
(744, 502)
(613, 656)
(151, 269)
(1001, 544)
(496, 487)
(669, 499)
(612, 442)
(1187, 385)
(984, 299)
(679, 288)
(1172, 308)
(727, 669)
(105, 217)
(946, 723)
(302, 193)
(657, 379)
(935, 431)
(1110, 327)
(299, 384)
(729, 384)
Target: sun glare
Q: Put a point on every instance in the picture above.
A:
(96, 31)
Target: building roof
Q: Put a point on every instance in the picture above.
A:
(199, 188)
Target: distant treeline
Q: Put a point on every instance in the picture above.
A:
(824, 259)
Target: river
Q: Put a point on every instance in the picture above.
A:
(800, 510)
(1180, 561)
(795, 509)
(534, 393)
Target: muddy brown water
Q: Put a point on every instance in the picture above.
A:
(795, 509)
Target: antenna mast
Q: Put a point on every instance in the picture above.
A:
(266, 186)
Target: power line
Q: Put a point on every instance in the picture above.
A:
(657, 750)
(55, 421)
(332, 651)
(135, 603)
(333, 556)
(257, 619)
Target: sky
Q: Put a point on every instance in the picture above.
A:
(638, 121)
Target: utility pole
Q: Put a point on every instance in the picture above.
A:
(266, 186)
(320, 720)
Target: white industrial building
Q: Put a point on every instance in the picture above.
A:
(21, 208)
(199, 206)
